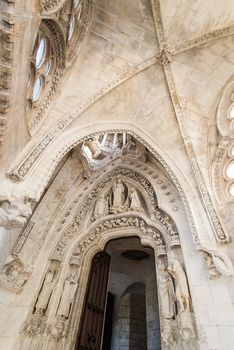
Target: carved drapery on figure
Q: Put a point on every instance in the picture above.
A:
(101, 207)
(135, 203)
(118, 204)
(182, 291)
(168, 298)
(36, 323)
(67, 298)
(120, 198)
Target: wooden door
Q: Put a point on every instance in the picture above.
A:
(92, 320)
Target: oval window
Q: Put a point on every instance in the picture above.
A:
(230, 170)
(71, 28)
(231, 190)
(231, 112)
(37, 89)
(40, 55)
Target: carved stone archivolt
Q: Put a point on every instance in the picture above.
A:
(118, 202)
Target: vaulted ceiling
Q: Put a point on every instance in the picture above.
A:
(155, 67)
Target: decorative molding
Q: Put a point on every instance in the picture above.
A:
(7, 38)
(22, 239)
(205, 39)
(20, 171)
(154, 153)
(219, 232)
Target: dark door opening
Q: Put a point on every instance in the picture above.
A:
(121, 306)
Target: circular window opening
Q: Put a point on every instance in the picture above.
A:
(135, 254)
(41, 53)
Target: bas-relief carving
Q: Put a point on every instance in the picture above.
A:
(59, 329)
(14, 211)
(36, 323)
(14, 275)
(121, 198)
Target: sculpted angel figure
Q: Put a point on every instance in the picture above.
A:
(182, 291)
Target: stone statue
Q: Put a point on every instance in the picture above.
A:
(58, 330)
(46, 290)
(118, 196)
(13, 275)
(14, 211)
(135, 203)
(182, 292)
(217, 262)
(101, 207)
(69, 289)
(168, 298)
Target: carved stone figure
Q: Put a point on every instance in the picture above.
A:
(217, 262)
(168, 298)
(118, 196)
(35, 324)
(135, 203)
(46, 290)
(69, 289)
(101, 207)
(13, 275)
(14, 211)
(182, 292)
(58, 330)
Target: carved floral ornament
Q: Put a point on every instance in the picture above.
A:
(223, 167)
(56, 45)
